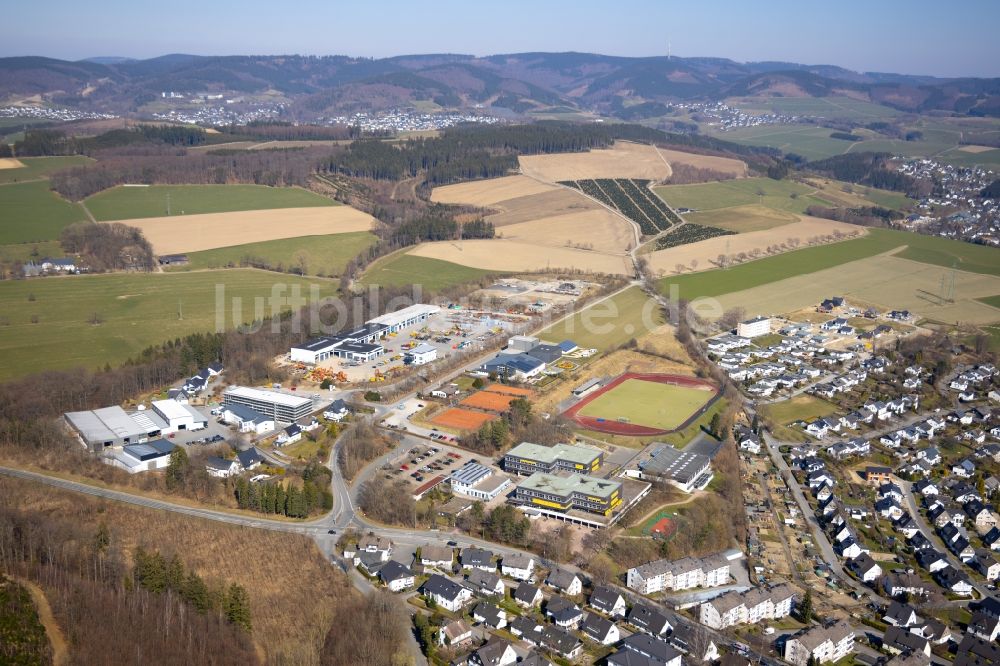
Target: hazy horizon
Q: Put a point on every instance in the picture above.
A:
(921, 37)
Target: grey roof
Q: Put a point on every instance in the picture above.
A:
(475, 557)
(149, 450)
(525, 593)
(485, 579)
(105, 424)
(249, 456)
(244, 413)
(443, 587)
(647, 646)
(648, 618)
(218, 463)
(489, 612)
(561, 578)
(490, 654)
(682, 466)
(393, 570)
(471, 473)
(604, 598)
(596, 626)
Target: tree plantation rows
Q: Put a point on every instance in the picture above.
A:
(689, 233)
(632, 198)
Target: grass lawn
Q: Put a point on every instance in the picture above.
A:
(31, 212)
(136, 310)
(317, 255)
(648, 403)
(432, 274)
(809, 141)
(610, 323)
(799, 408)
(39, 167)
(126, 203)
(682, 438)
(304, 449)
(925, 249)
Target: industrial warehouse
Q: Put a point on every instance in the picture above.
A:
(361, 344)
(279, 406)
(112, 427)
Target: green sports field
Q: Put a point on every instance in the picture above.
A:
(126, 203)
(40, 167)
(645, 403)
(313, 255)
(135, 310)
(432, 274)
(916, 247)
(609, 323)
(31, 212)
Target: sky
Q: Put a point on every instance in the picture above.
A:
(956, 38)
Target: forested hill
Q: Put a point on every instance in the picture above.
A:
(516, 82)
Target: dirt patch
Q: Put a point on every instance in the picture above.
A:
(704, 253)
(493, 402)
(10, 163)
(598, 230)
(60, 652)
(462, 419)
(724, 165)
(191, 233)
(623, 160)
(510, 390)
(976, 149)
(514, 256)
(489, 192)
(538, 206)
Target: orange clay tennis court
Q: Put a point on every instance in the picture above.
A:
(510, 390)
(494, 402)
(462, 419)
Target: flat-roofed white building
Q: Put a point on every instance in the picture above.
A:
(178, 416)
(147, 457)
(752, 328)
(406, 317)
(421, 354)
(478, 481)
(279, 406)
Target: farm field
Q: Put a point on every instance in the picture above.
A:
(990, 300)
(609, 323)
(989, 159)
(742, 219)
(705, 253)
(314, 255)
(883, 280)
(647, 403)
(40, 167)
(726, 165)
(827, 107)
(777, 194)
(127, 203)
(623, 160)
(809, 141)
(32, 212)
(934, 141)
(600, 230)
(10, 163)
(513, 256)
(135, 309)
(25, 252)
(192, 233)
(488, 192)
(433, 274)
(539, 206)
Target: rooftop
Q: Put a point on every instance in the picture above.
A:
(568, 452)
(574, 483)
(267, 396)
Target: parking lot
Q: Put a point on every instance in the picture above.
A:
(422, 463)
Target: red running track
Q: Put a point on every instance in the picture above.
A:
(632, 429)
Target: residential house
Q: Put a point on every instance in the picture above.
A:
(600, 630)
(490, 615)
(518, 566)
(985, 626)
(486, 582)
(608, 600)
(954, 581)
(901, 615)
(477, 558)
(865, 568)
(655, 651)
(222, 468)
(898, 640)
(497, 652)
(527, 595)
(454, 633)
(446, 593)
(395, 576)
(336, 411)
(648, 619)
(436, 556)
(563, 612)
(565, 581)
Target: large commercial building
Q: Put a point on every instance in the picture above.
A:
(280, 406)
(361, 344)
(562, 493)
(107, 427)
(687, 470)
(528, 458)
(137, 458)
(178, 416)
(683, 574)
